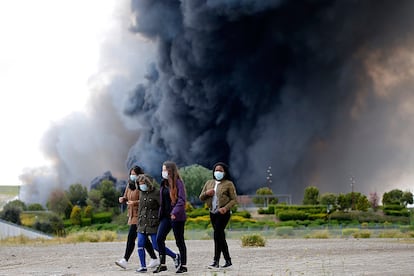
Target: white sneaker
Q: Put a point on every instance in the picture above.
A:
(122, 263)
(154, 263)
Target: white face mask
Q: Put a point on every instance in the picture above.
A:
(164, 174)
(218, 175)
(143, 187)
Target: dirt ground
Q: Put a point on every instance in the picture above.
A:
(278, 257)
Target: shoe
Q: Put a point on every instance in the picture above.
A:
(181, 269)
(160, 268)
(177, 260)
(141, 270)
(122, 263)
(227, 264)
(153, 263)
(214, 265)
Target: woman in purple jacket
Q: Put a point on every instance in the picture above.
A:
(172, 215)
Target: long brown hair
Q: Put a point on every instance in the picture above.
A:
(173, 173)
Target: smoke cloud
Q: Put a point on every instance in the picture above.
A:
(321, 91)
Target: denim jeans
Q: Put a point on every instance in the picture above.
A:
(132, 235)
(142, 239)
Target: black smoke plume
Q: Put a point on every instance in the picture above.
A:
(286, 84)
(321, 91)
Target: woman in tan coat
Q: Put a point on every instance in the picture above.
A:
(131, 198)
(220, 196)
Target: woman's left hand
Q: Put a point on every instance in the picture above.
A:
(222, 210)
(172, 217)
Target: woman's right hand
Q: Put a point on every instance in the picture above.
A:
(210, 192)
(121, 199)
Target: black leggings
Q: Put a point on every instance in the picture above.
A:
(132, 236)
(219, 223)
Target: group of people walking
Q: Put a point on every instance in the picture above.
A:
(153, 213)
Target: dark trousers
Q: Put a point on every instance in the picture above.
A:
(219, 223)
(132, 236)
(166, 224)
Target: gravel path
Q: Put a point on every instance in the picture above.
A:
(278, 257)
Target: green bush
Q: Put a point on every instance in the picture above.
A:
(86, 221)
(104, 217)
(244, 214)
(267, 211)
(198, 212)
(76, 215)
(253, 240)
(292, 215)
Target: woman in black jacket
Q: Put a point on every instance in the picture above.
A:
(148, 219)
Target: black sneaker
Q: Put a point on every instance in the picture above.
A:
(227, 264)
(214, 265)
(177, 260)
(160, 268)
(181, 269)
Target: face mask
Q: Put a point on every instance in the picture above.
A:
(218, 175)
(143, 187)
(133, 177)
(164, 174)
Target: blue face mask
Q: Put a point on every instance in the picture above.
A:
(218, 175)
(133, 177)
(143, 187)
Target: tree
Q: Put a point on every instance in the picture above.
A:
(109, 194)
(362, 203)
(343, 202)
(94, 198)
(311, 196)
(407, 198)
(374, 201)
(17, 203)
(264, 195)
(76, 215)
(194, 177)
(59, 203)
(328, 199)
(77, 194)
(11, 213)
(393, 197)
(35, 207)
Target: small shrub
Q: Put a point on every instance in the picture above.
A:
(92, 236)
(284, 231)
(253, 240)
(391, 234)
(364, 234)
(349, 231)
(321, 234)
